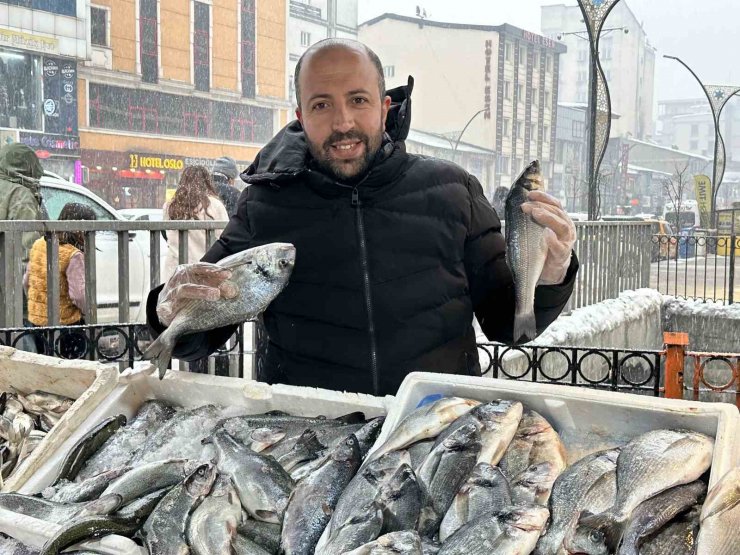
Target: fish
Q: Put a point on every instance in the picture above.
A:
(307, 448)
(676, 538)
(263, 534)
(419, 451)
(513, 530)
(534, 484)
(313, 500)
(534, 442)
(485, 491)
(443, 472)
(570, 493)
(76, 492)
(87, 445)
(213, 524)
(242, 545)
(649, 464)
(145, 479)
(121, 447)
(364, 526)
(258, 274)
(651, 515)
(262, 484)
(404, 542)
(400, 499)
(719, 533)
(526, 251)
(425, 422)
(58, 513)
(142, 507)
(88, 527)
(164, 531)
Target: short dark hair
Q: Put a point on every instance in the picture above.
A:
(334, 43)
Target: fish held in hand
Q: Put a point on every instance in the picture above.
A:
(257, 274)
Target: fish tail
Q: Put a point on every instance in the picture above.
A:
(160, 352)
(608, 523)
(525, 324)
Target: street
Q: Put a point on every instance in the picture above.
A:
(703, 277)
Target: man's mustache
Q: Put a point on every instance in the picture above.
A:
(350, 135)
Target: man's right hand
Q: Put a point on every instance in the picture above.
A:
(199, 281)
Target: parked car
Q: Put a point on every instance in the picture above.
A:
(57, 192)
(664, 243)
(142, 214)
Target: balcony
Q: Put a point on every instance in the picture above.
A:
(305, 11)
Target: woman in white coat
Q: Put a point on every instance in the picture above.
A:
(195, 199)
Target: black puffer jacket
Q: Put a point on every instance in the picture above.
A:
(388, 272)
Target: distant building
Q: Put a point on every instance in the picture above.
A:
(501, 80)
(628, 61)
(314, 20)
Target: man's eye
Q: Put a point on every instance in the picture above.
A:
(319, 106)
(359, 100)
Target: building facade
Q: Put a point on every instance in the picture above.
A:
(42, 46)
(314, 20)
(626, 56)
(172, 83)
(496, 87)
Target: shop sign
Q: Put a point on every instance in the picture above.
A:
(60, 96)
(50, 107)
(26, 41)
(152, 161)
(538, 39)
(54, 145)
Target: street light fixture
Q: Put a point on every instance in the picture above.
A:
(718, 96)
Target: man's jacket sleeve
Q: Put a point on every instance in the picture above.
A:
(23, 205)
(235, 238)
(490, 280)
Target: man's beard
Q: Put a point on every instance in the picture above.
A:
(345, 170)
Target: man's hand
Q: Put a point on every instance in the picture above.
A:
(201, 281)
(560, 234)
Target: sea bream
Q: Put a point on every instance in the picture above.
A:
(258, 275)
(526, 251)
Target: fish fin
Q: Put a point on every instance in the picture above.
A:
(607, 523)
(357, 417)
(160, 352)
(309, 442)
(718, 501)
(525, 324)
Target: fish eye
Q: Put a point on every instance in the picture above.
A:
(596, 536)
(283, 263)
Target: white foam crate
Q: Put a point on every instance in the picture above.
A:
(586, 419)
(85, 381)
(188, 390)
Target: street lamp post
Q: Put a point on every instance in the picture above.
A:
(718, 96)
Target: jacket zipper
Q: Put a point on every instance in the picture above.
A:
(368, 298)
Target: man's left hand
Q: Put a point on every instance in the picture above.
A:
(560, 235)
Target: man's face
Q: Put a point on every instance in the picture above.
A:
(341, 110)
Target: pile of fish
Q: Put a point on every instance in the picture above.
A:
(206, 480)
(459, 477)
(24, 422)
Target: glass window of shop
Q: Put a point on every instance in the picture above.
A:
(20, 90)
(61, 7)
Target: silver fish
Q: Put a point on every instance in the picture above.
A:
(534, 484)
(363, 527)
(76, 492)
(720, 517)
(677, 538)
(314, 499)
(526, 251)
(263, 534)
(244, 546)
(534, 442)
(145, 479)
(401, 500)
(213, 524)
(165, 530)
(58, 513)
(651, 515)
(424, 423)
(259, 275)
(569, 494)
(405, 542)
(651, 463)
(486, 491)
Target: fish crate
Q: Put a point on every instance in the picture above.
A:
(587, 420)
(187, 390)
(88, 382)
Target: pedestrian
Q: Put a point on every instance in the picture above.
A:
(395, 253)
(72, 302)
(20, 196)
(195, 199)
(225, 173)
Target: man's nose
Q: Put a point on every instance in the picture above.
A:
(343, 119)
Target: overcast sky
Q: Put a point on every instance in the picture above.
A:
(703, 33)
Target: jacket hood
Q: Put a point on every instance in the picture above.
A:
(286, 155)
(19, 164)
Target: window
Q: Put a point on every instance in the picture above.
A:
(21, 98)
(546, 131)
(305, 38)
(247, 49)
(202, 46)
(389, 71)
(98, 26)
(507, 51)
(582, 55)
(548, 63)
(520, 93)
(507, 127)
(547, 98)
(579, 129)
(503, 164)
(148, 42)
(507, 90)
(519, 133)
(694, 146)
(606, 49)
(536, 59)
(55, 199)
(61, 7)
(581, 76)
(522, 55)
(694, 130)
(535, 97)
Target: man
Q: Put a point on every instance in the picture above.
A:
(20, 197)
(395, 252)
(224, 175)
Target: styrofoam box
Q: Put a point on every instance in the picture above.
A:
(587, 420)
(188, 390)
(85, 381)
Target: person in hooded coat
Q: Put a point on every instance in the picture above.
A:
(395, 253)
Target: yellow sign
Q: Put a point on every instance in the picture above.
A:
(703, 192)
(142, 161)
(24, 41)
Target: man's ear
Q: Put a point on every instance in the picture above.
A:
(299, 115)
(386, 106)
